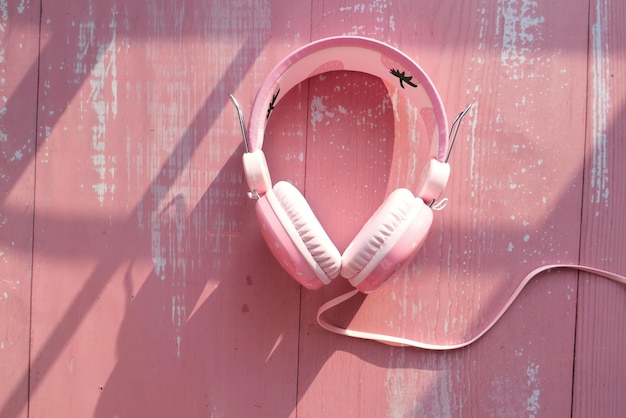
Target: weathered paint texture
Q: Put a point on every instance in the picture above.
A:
(134, 280)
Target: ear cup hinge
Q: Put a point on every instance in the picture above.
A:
(254, 195)
(433, 180)
(257, 174)
(254, 163)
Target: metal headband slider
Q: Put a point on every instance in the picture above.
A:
(242, 122)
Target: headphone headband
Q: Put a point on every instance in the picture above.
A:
(399, 227)
(396, 231)
(351, 53)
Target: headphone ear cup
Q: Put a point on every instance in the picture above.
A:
(387, 242)
(296, 237)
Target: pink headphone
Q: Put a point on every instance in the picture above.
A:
(396, 231)
(398, 228)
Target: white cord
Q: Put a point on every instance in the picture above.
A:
(405, 342)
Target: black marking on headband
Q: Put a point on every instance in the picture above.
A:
(402, 77)
(269, 109)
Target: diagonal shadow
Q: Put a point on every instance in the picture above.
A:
(173, 166)
(105, 269)
(196, 362)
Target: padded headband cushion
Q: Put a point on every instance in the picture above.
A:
(352, 53)
(309, 228)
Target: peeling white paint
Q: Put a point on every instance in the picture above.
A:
(177, 254)
(601, 103)
(156, 247)
(179, 315)
(26, 148)
(481, 35)
(318, 111)
(414, 391)
(506, 391)
(21, 7)
(473, 125)
(3, 110)
(4, 14)
(518, 24)
(19, 153)
(532, 404)
(86, 39)
(103, 84)
(377, 8)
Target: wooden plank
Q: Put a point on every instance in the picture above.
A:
(153, 291)
(19, 49)
(601, 336)
(515, 193)
(153, 295)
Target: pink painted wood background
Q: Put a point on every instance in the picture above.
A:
(133, 277)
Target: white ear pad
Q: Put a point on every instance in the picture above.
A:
(309, 229)
(379, 235)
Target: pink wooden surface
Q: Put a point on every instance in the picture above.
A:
(599, 369)
(153, 293)
(19, 40)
